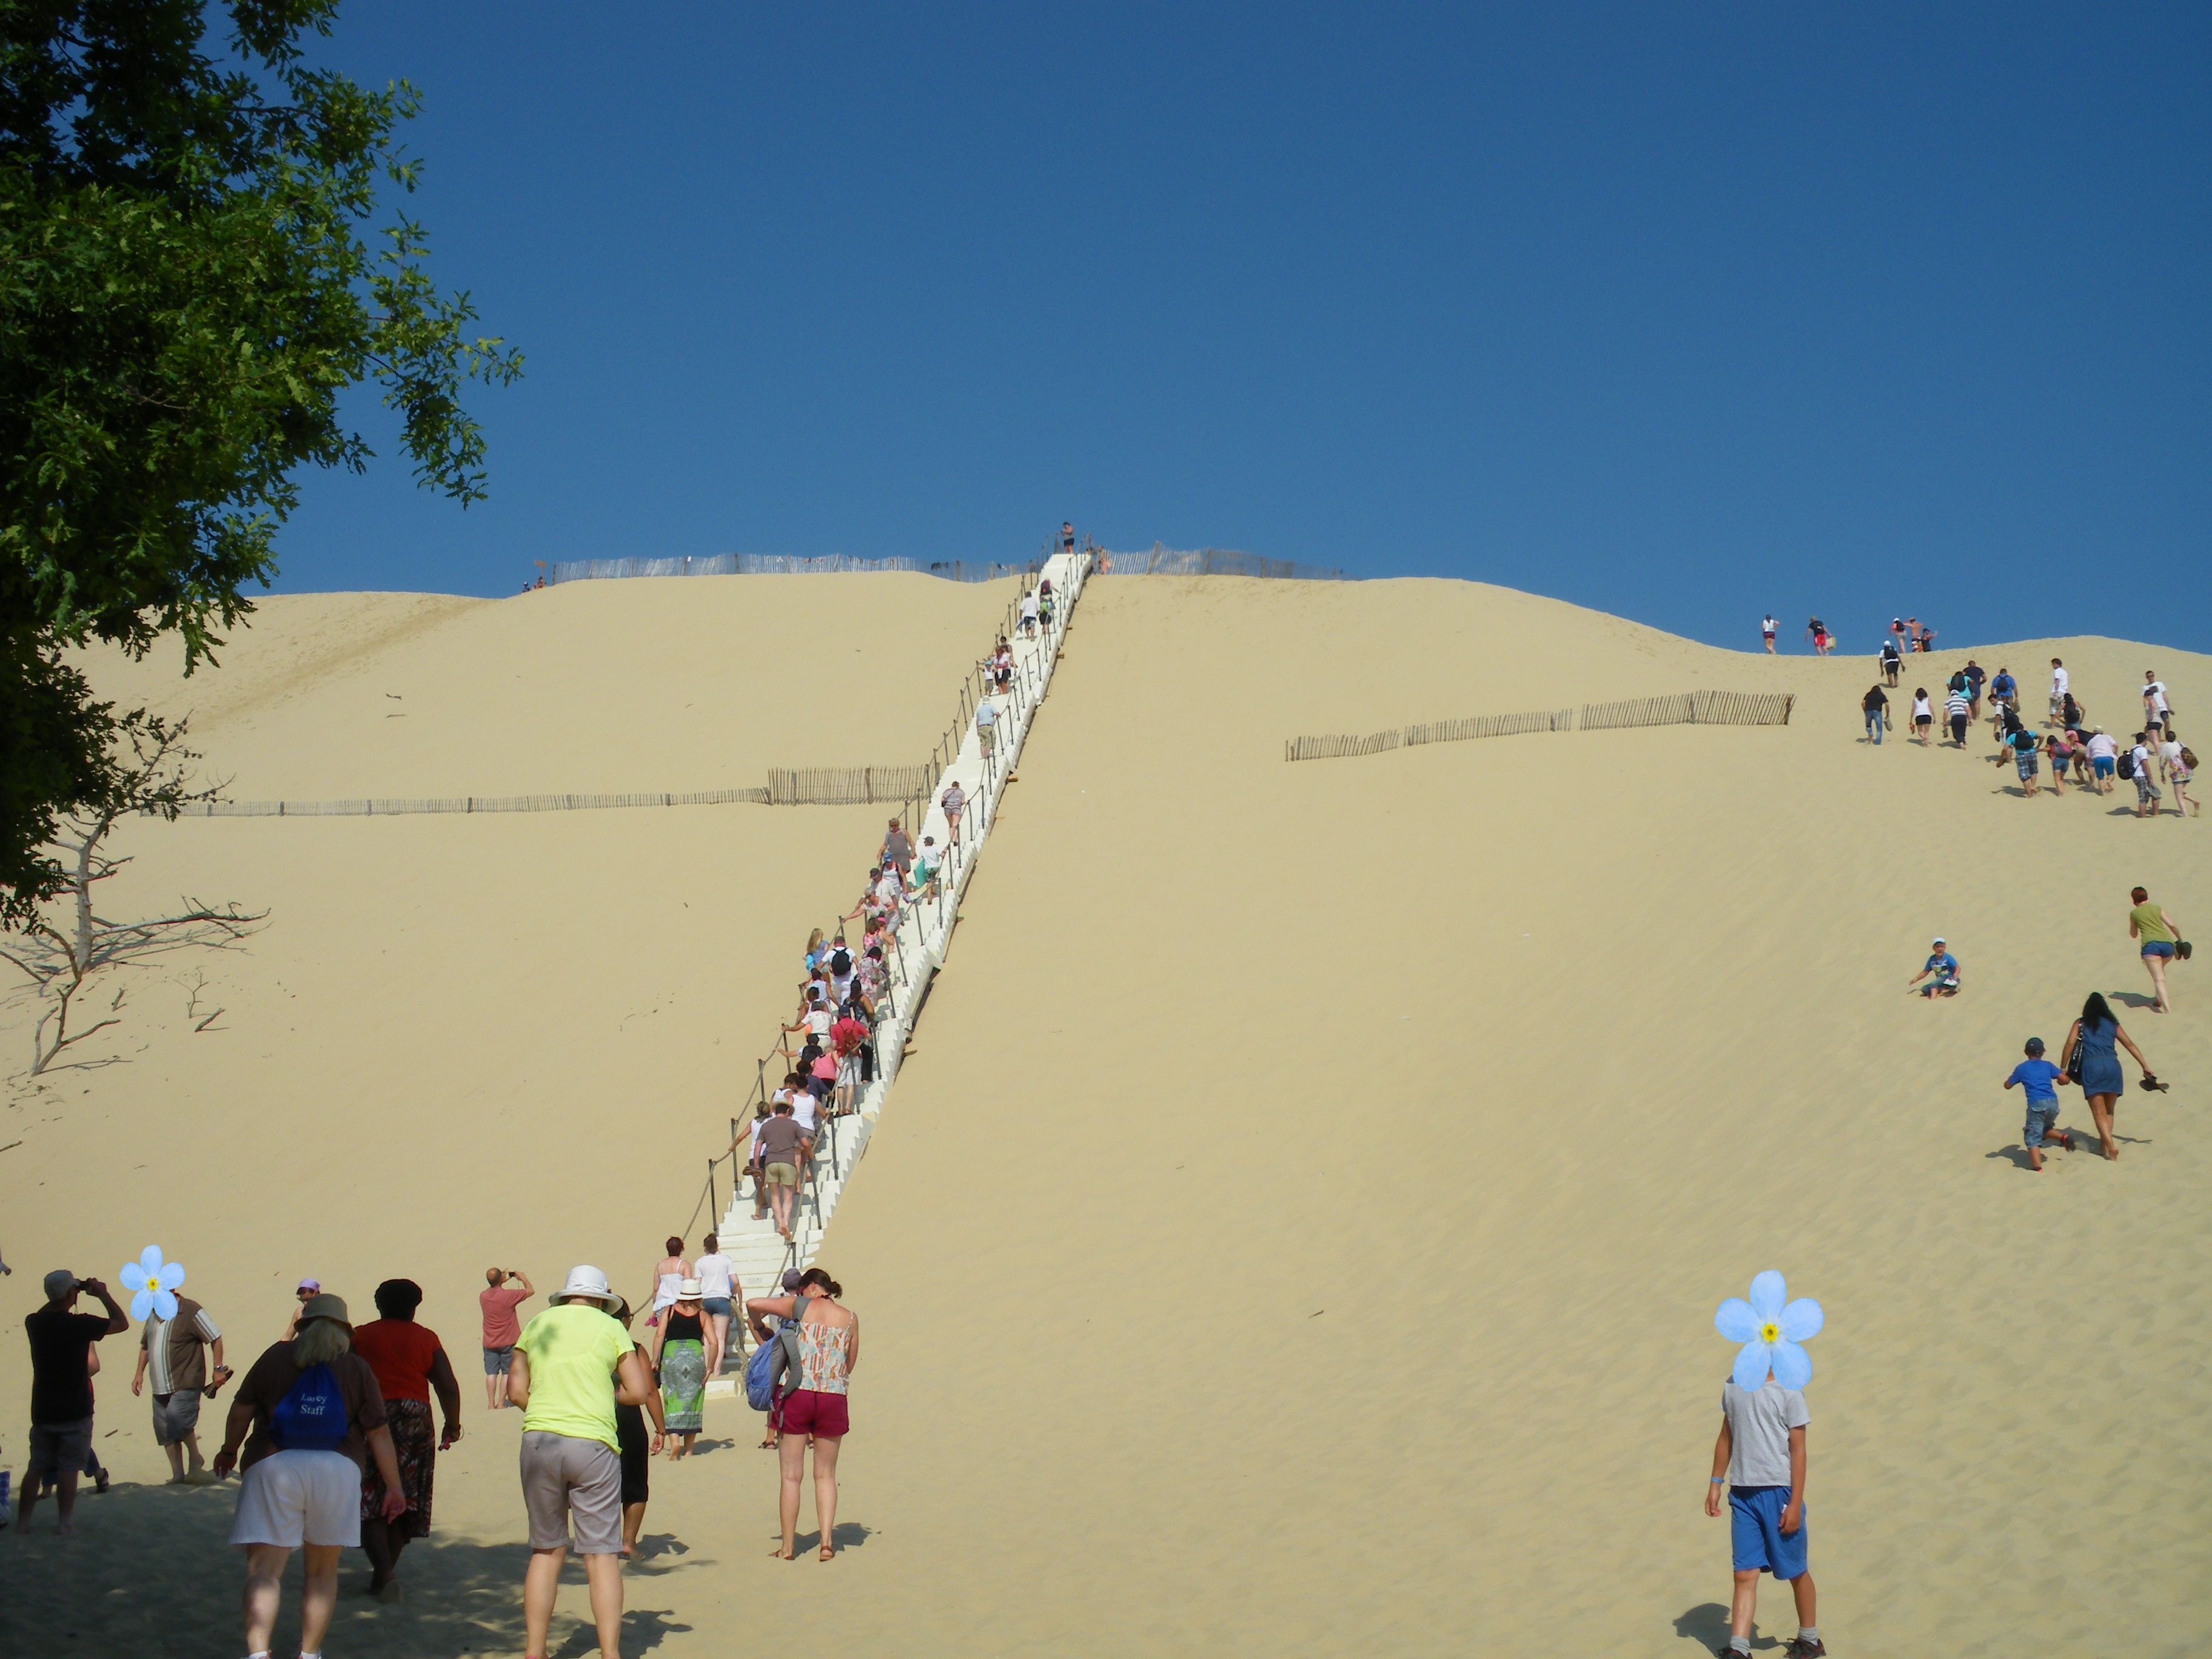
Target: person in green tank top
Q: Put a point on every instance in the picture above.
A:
(2161, 942)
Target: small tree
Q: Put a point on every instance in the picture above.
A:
(61, 955)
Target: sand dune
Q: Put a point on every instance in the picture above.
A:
(1299, 1226)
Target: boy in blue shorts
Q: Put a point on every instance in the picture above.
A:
(1759, 1462)
(2040, 1078)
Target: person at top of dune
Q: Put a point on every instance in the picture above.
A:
(1943, 966)
(2091, 1058)
(1766, 627)
(2161, 936)
(2039, 1078)
(1817, 631)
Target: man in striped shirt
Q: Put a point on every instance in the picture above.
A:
(172, 1356)
(1958, 708)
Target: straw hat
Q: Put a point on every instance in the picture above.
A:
(687, 1290)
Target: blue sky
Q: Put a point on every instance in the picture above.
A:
(1680, 311)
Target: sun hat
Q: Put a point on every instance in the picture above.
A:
(323, 1305)
(587, 1284)
(687, 1290)
(59, 1283)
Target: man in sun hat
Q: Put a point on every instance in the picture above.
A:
(309, 1415)
(572, 1364)
(61, 1389)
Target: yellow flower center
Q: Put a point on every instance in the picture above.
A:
(1770, 1332)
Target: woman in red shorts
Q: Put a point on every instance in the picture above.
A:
(813, 1409)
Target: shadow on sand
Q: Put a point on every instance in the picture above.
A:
(151, 1571)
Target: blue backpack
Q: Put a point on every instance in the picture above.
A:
(311, 1415)
(769, 1361)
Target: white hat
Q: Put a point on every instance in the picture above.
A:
(687, 1290)
(586, 1284)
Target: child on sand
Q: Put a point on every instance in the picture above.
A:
(1945, 968)
(1759, 1462)
(2039, 1078)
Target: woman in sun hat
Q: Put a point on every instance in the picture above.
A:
(309, 1415)
(683, 1370)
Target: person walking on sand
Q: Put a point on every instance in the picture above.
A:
(2058, 748)
(2004, 694)
(2161, 936)
(2039, 1078)
(2156, 714)
(1944, 967)
(683, 1371)
(1956, 707)
(669, 1272)
(309, 1417)
(499, 1299)
(814, 1408)
(2060, 680)
(1923, 716)
(1893, 663)
(718, 1284)
(411, 1364)
(2104, 760)
(2026, 759)
(2179, 762)
(633, 1448)
(61, 1392)
(2096, 1067)
(573, 1364)
(1766, 627)
(1760, 1463)
(173, 1355)
(1875, 706)
(2138, 771)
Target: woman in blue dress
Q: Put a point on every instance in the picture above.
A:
(2098, 1035)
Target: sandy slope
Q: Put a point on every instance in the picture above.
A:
(1299, 1227)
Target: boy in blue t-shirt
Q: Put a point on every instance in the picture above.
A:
(2040, 1078)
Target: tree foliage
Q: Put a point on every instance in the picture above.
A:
(187, 289)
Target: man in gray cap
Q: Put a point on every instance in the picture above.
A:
(61, 1389)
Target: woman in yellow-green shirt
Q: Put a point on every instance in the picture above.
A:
(2161, 942)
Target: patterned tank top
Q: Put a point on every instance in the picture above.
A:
(825, 1356)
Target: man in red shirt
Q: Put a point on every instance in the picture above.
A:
(501, 1328)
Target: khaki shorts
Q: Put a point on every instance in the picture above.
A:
(176, 1416)
(564, 1478)
(781, 1174)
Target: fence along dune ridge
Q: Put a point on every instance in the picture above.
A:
(780, 564)
(1682, 709)
(813, 786)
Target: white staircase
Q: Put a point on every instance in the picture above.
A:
(759, 1253)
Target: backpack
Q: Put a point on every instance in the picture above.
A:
(773, 1361)
(311, 1415)
(2126, 765)
(2189, 757)
(840, 961)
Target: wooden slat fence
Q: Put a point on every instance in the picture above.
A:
(1330, 747)
(1490, 726)
(1683, 708)
(382, 806)
(848, 785)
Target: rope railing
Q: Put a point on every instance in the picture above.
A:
(1683, 708)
